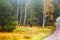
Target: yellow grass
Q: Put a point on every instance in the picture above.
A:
(27, 33)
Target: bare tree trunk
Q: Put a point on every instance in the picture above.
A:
(44, 19)
(18, 11)
(26, 8)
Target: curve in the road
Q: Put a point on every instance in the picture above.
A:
(56, 34)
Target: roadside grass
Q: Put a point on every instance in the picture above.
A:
(28, 33)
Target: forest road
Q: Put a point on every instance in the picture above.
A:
(55, 35)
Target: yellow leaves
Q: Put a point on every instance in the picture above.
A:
(49, 8)
(51, 17)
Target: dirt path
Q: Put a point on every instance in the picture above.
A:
(55, 35)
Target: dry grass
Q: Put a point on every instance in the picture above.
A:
(27, 33)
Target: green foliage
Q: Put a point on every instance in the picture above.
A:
(57, 11)
(6, 17)
(10, 26)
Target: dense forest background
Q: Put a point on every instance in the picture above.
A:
(34, 11)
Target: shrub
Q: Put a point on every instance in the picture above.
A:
(9, 27)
